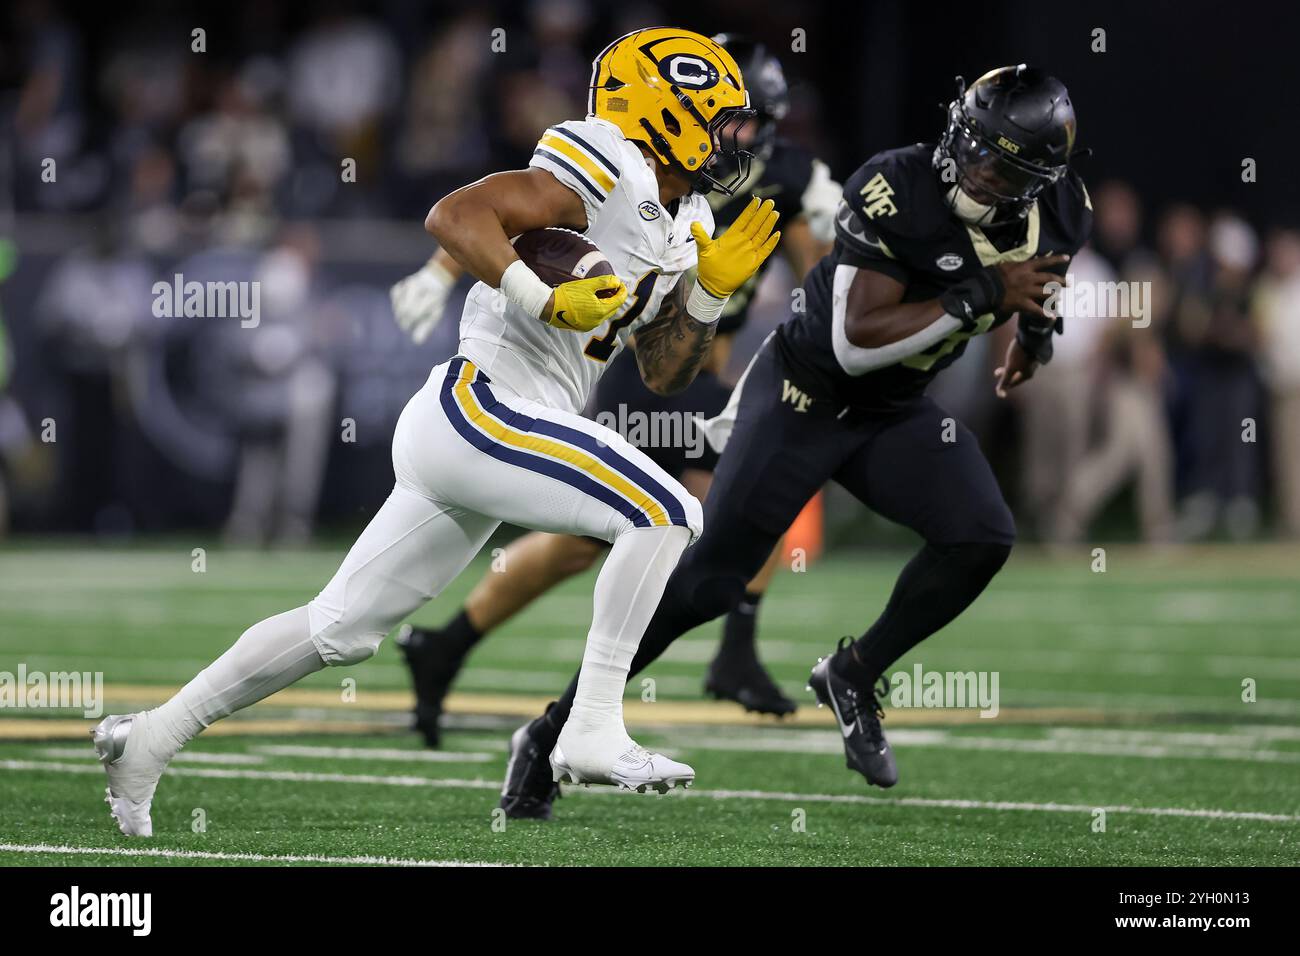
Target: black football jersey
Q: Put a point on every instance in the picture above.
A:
(894, 218)
(783, 178)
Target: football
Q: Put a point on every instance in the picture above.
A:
(561, 255)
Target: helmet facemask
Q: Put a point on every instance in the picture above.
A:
(729, 165)
(993, 187)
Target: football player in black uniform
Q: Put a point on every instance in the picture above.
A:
(806, 197)
(934, 244)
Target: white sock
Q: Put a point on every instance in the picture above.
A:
(627, 593)
(268, 657)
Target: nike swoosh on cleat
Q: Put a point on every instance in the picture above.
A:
(845, 729)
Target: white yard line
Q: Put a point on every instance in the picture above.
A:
(997, 805)
(781, 796)
(1244, 736)
(378, 753)
(46, 848)
(1085, 742)
(289, 776)
(1152, 701)
(1103, 749)
(196, 756)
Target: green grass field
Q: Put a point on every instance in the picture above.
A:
(1118, 692)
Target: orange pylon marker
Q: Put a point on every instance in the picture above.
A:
(806, 531)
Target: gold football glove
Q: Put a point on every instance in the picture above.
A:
(577, 307)
(727, 262)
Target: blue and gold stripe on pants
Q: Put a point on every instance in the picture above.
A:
(566, 454)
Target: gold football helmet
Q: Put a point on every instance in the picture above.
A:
(679, 93)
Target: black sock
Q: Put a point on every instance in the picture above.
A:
(459, 634)
(938, 583)
(546, 729)
(740, 624)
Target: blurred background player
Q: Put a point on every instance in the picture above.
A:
(495, 436)
(805, 195)
(934, 245)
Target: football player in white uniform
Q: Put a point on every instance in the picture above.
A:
(495, 434)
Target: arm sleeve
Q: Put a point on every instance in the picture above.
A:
(856, 360)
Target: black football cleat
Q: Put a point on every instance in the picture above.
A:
(530, 788)
(433, 666)
(737, 674)
(858, 712)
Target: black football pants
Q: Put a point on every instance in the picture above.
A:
(915, 466)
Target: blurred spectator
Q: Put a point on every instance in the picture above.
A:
(443, 136)
(237, 144)
(1127, 375)
(1223, 398)
(1058, 405)
(1277, 314)
(1117, 228)
(19, 456)
(285, 406)
(343, 77)
(94, 305)
(50, 116)
(152, 219)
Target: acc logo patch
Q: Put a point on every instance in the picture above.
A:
(688, 71)
(949, 262)
(649, 210)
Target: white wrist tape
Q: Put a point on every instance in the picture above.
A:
(704, 307)
(522, 286)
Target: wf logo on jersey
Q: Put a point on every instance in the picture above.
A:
(795, 396)
(878, 194)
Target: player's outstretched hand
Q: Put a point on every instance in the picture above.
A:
(727, 262)
(1018, 368)
(583, 304)
(1025, 283)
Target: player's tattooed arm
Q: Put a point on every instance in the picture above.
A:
(671, 347)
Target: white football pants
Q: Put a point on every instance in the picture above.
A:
(469, 455)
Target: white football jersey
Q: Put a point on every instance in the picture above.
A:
(648, 247)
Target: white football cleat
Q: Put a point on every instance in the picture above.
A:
(635, 769)
(132, 768)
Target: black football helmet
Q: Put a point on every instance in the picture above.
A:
(1009, 137)
(769, 94)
